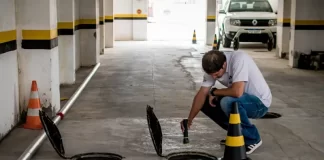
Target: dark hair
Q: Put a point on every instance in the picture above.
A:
(213, 61)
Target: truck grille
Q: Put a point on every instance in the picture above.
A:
(248, 22)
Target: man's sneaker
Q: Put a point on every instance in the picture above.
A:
(252, 147)
(222, 142)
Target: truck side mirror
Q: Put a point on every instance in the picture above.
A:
(222, 12)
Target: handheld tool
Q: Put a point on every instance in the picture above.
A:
(185, 131)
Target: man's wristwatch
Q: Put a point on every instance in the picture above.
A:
(212, 91)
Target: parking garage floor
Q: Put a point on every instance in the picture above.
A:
(110, 114)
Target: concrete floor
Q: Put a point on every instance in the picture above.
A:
(110, 114)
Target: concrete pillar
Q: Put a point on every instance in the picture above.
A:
(9, 91)
(211, 21)
(102, 25)
(109, 23)
(38, 52)
(140, 20)
(283, 27)
(77, 34)
(130, 19)
(306, 28)
(66, 40)
(89, 32)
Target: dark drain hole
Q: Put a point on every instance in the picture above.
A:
(97, 156)
(271, 115)
(191, 156)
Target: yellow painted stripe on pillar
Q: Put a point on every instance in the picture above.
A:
(284, 20)
(234, 141)
(39, 34)
(65, 25)
(101, 18)
(130, 15)
(109, 17)
(234, 119)
(308, 22)
(139, 15)
(211, 17)
(7, 36)
(88, 21)
(76, 22)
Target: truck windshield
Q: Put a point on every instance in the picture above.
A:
(250, 6)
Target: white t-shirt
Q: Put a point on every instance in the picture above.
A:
(241, 67)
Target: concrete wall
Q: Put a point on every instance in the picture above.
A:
(9, 92)
(123, 27)
(130, 25)
(307, 28)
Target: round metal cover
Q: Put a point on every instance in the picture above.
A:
(155, 130)
(52, 133)
(97, 156)
(191, 156)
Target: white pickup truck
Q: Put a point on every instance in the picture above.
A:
(247, 21)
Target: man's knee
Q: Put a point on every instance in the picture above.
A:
(226, 104)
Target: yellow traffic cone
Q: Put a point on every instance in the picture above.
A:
(194, 41)
(235, 145)
(215, 43)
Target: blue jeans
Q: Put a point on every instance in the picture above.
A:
(249, 107)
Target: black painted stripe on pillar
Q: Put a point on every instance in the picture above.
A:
(40, 44)
(65, 32)
(8, 46)
(309, 27)
(101, 22)
(109, 20)
(88, 26)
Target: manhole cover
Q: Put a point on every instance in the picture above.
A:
(156, 135)
(54, 136)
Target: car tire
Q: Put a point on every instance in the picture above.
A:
(226, 42)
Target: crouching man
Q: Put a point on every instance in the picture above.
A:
(246, 85)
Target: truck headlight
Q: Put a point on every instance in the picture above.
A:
(235, 22)
(272, 22)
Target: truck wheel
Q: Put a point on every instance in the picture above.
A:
(270, 45)
(226, 42)
(236, 44)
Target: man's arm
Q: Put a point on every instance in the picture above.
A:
(198, 103)
(236, 90)
(200, 97)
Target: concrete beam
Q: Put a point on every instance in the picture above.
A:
(283, 28)
(211, 21)
(66, 40)
(89, 32)
(102, 25)
(38, 52)
(9, 91)
(109, 23)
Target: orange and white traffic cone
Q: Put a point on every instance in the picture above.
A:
(33, 120)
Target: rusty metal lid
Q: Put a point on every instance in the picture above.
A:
(155, 130)
(53, 133)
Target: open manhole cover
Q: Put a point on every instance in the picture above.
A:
(54, 136)
(156, 135)
(271, 115)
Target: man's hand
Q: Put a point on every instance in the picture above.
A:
(182, 127)
(211, 98)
